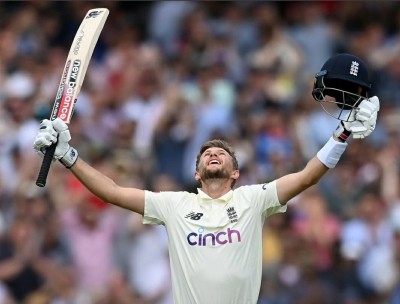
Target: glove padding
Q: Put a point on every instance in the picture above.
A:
(362, 121)
(55, 131)
(52, 132)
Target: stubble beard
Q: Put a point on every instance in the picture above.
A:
(213, 174)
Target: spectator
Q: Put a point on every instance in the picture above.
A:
(22, 267)
(90, 228)
(318, 227)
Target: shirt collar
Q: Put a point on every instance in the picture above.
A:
(225, 198)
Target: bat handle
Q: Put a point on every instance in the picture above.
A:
(46, 163)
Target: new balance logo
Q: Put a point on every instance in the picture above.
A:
(194, 216)
(93, 14)
(354, 68)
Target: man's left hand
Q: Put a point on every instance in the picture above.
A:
(364, 118)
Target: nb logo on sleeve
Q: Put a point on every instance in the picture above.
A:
(194, 216)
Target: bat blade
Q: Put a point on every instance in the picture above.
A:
(73, 75)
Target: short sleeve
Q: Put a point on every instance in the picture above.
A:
(158, 206)
(265, 198)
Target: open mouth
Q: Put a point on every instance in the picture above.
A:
(214, 162)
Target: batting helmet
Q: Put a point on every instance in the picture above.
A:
(344, 78)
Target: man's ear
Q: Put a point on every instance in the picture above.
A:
(235, 174)
(198, 178)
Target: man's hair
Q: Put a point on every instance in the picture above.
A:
(217, 143)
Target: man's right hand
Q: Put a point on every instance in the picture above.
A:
(56, 131)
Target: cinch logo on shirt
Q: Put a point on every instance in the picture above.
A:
(222, 237)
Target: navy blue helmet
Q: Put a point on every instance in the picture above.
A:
(343, 80)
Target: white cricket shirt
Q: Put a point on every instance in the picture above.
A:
(215, 245)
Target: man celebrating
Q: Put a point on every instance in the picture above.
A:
(215, 234)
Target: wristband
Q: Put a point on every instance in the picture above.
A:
(69, 158)
(341, 132)
(330, 154)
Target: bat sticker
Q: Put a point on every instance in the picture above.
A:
(93, 14)
(60, 91)
(78, 42)
(67, 101)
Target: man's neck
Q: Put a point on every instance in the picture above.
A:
(216, 188)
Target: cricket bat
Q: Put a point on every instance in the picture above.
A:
(72, 77)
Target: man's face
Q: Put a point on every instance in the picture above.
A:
(215, 163)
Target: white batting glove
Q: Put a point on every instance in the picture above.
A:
(363, 119)
(56, 131)
(45, 137)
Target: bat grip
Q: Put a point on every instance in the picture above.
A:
(46, 163)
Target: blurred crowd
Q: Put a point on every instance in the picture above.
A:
(164, 78)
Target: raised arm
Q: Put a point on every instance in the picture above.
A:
(293, 184)
(360, 126)
(106, 189)
(96, 182)
(290, 185)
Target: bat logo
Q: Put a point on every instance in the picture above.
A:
(93, 14)
(60, 91)
(78, 42)
(68, 101)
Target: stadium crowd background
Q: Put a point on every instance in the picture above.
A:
(164, 78)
